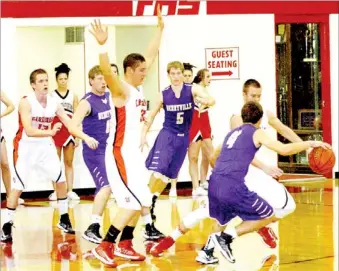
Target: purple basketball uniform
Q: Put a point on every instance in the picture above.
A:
(227, 193)
(97, 125)
(170, 147)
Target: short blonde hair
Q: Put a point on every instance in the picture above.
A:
(175, 65)
(96, 70)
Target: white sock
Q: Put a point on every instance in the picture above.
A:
(96, 219)
(209, 244)
(9, 215)
(176, 234)
(147, 219)
(230, 230)
(63, 206)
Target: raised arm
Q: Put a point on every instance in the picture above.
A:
(9, 105)
(73, 125)
(149, 121)
(201, 96)
(153, 48)
(119, 91)
(26, 120)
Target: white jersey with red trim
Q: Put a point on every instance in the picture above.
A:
(66, 101)
(42, 117)
(129, 120)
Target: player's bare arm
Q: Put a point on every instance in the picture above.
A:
(118, 90)
(149, 121)
(73, 125)
(201, 96)
(215, 155)
(153, 48)
(282, 129)
(26, 120)
(75, 105)
(261, 138)
(272, 171)
(9, 105)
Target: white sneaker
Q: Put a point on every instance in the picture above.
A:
(21, 201)
(173, 192)
(53, 196)
(72, 196)
(204, 185)
(199, 192)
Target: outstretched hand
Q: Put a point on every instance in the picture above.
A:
(99, 32)
(160, 19)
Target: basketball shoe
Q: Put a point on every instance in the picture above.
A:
(125, 250)
(92, 233)
(268, 236)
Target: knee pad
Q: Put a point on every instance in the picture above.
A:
(161, 177)
(287, 209)
(195, 217)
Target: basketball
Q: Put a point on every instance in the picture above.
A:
(321, 160)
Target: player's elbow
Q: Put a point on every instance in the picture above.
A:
(11, 108)
(30, 132)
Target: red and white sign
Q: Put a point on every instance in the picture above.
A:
(149, 8)
(223, 63)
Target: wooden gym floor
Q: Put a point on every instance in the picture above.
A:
(308, 237)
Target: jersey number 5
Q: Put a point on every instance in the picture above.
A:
(180, 118)
(232, 139)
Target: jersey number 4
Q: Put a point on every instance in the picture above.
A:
(232, 139)
(180, 118)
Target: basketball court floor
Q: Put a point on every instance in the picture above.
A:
(308, 239)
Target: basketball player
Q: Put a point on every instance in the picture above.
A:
(260, 175)
(188, 79)
(130, 175)
(169, 151)
(200, 138)
(227, 193)
(5, 171)
(63, 140)
(36, 148)
(94, 114)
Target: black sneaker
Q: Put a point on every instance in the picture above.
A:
(205, 256)
(152, 233)
(65, 224)
(92, 233)
(6, 236)
(223, 242)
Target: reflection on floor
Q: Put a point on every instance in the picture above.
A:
(307, 238)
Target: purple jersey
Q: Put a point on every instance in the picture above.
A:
(178, 111)
(97, 123)
(237, 153)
